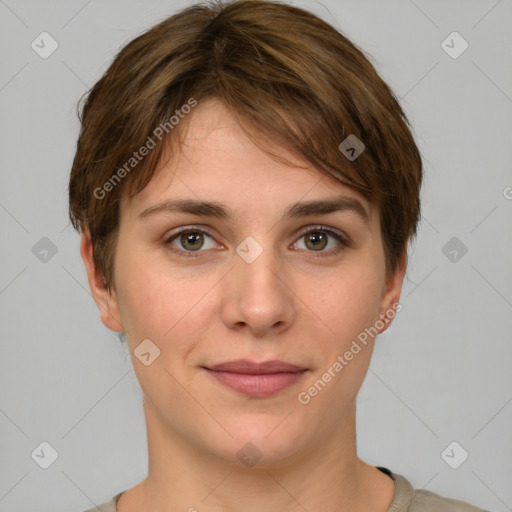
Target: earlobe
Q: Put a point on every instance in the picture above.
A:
(390, 304)
(105, 300)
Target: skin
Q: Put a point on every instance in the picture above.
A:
(295, 303)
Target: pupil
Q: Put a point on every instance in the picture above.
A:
(317, 239)
(191, 239)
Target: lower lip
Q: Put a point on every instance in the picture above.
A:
(257, 385)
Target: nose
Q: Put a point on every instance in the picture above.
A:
(258, 296)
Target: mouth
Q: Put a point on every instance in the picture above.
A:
(257, 379)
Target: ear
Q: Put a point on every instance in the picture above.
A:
(105, 300)
(391, 293)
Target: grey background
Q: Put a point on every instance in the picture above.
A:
(440, 374)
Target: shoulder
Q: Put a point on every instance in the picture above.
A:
(109, 506)
(408, 499)
(428, 501)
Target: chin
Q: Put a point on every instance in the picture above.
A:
(261, 441)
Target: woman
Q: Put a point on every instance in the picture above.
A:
(246, 186)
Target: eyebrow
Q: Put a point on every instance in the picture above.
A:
(297, 210)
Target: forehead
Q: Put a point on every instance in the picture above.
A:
(218, 161)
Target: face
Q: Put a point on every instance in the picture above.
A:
(256, 285)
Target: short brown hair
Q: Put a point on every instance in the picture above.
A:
(282, 71)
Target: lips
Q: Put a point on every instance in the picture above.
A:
(252, 368)
(256, 379)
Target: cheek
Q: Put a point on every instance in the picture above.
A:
(152, 305)
(350, 307)
(348, 303)
(142, 295)
(165, 305)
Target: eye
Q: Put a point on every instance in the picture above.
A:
(189, 240)
(317, 238)
(192, 240)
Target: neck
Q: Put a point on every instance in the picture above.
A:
(329, 477)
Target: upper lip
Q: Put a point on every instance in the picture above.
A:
(254, 368)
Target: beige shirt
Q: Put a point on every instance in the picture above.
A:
(406, 499)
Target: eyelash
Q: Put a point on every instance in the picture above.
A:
(344, 242)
